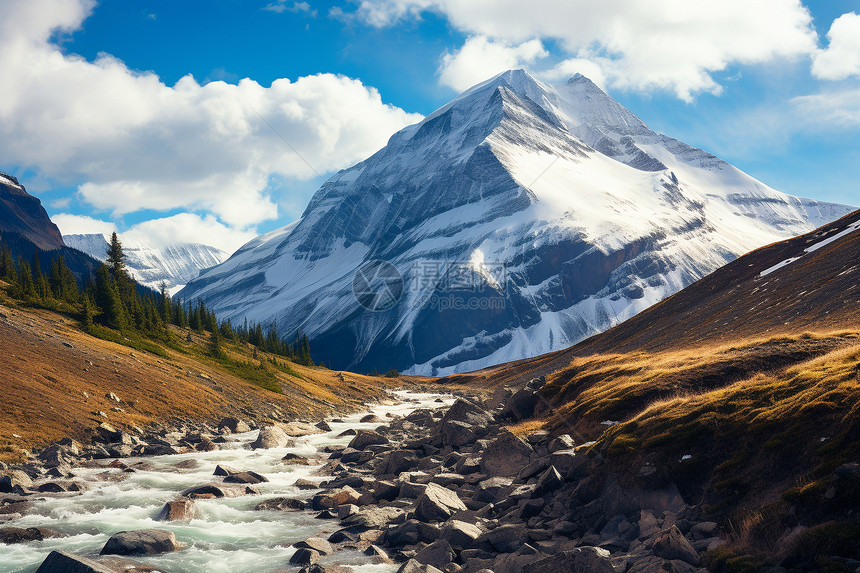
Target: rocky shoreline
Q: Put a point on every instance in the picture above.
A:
(437, 490)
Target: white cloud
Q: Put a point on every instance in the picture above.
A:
(140, 144)
(187, 228)
(481, 58)
(70, 224)
(834, 109)
(295, 7)
(672, 45)
(841, 59)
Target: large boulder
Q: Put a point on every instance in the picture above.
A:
(62, 562)
(365, 438)
(235, 425)
(299, 429)
(521, 405)
(272, 437)
(10, 535)
(438, 554)
(562, 442)
(456, 434)
(179, 510)
(460, 534)
(437, 504)
(304, 556)
(245, 477)
(321, 546)
(12, 479)
(671, 544)
(396, 462)
(548, 482)
(506, 538)
(465, 411)
(413, 566)
(579, 560)
(141, 542)
(507, 455)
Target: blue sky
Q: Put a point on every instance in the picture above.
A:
(105, 125)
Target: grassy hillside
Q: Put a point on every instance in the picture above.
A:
(56, 382)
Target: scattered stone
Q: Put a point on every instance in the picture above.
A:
(281, 504)
(437, 504)
(10, 535)
(141, 542)
(62, 562)
(437, 554)
(225, 470)
(318, 544)
(304, 556)
(245, 477)
(271, 437)
(579, 560)
(507, 455)
(671, 544)
(179, 510)
(235, 425)
(365, 438)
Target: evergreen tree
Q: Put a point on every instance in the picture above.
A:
(165, 307)
(25, 280)
(116, 259)
(108, 300)
(7, 266)
(40, 281)
(215, 344)
(88, 314)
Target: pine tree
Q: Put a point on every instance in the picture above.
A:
(88, 314)
(116, 259)
(215, 344)
(108, 300)
(7, 266)
(165, 307)
(25, 279)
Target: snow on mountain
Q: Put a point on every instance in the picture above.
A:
(174, 264)
(522, 218)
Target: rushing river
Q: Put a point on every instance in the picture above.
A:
(228, 535)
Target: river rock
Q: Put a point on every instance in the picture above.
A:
(411, 532)
(579, 560)
(235, 425)
(179, 510)
(437, 504)
(141, 542)
(281, 504)
(364, 438)
(10, 535)
(373, 518)
(548, 482)
(507, 455)
(218, 490)
(332, 499)
(318, 544)
(245, 477)
(224, 470)
(671, 544)
(272, 437)
(562, 442)
(413, 566)
(299, 429)
(62, 562)
(506, 538)
(437, 554)
(459, 534)
(304, 556)
(521, 405)
(396, 462)
(12, 479)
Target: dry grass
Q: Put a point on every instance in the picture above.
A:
(527, 427)
(55, 380)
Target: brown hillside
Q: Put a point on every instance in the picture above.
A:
(56, 379)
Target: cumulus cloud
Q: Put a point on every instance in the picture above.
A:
(672, 45)
(841, 59)
(481, 58)
(187, 228)
(71, 224)
(140, 144)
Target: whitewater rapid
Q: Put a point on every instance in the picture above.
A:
(228, 535)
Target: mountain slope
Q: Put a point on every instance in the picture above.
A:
(175, 264)
(522, 217)
(807, 283)
(23, 214)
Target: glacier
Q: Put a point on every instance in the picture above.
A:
(174, 264)
(522, 217)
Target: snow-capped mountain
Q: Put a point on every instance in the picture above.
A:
(522, 218)
(174, 264)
